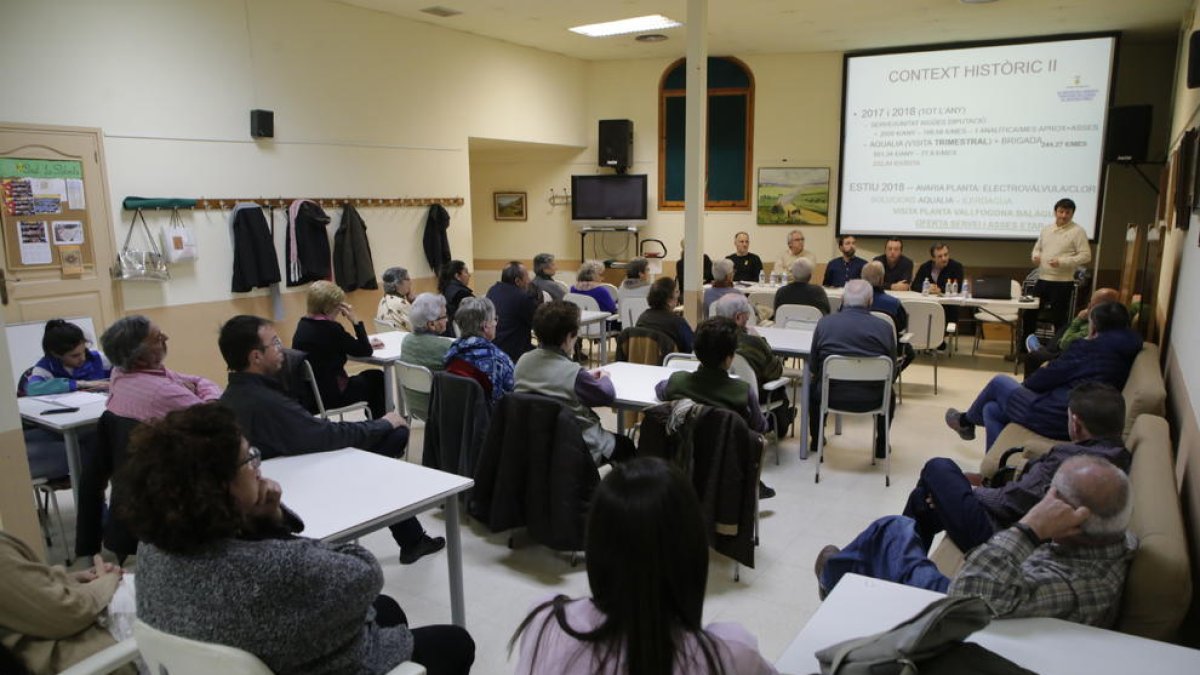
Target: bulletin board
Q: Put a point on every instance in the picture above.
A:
(43, 212)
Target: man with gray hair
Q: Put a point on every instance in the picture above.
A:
(515, 299)
(795, 251)
(1067, 558)
(544, 268)
(722, 284)
(851, 332)
(757, 352)
(800, 291)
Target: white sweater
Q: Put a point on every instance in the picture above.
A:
(1068, 244)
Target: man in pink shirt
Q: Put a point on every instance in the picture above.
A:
(142, 387)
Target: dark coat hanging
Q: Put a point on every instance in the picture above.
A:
(254, 261)
(353, 267)
(437, 244)
(307, 243)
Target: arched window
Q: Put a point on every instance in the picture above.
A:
(730, 135)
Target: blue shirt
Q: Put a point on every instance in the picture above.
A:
(838, 271)
(50, 376)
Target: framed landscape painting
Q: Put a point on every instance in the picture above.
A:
(508, 205)
(793, 196)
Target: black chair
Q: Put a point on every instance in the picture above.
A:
(456, 424)
(97, 524)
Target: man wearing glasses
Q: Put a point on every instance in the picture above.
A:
(278, 425)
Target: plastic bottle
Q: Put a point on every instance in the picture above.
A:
(966, 289)
(925, 287)
(952, 288)
(762, 277)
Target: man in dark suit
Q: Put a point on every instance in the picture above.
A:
(939, 270)
(515, 299)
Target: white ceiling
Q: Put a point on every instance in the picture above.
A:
(781, 26)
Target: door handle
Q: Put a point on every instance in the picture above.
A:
(3, 289)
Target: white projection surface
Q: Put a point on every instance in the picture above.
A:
(975, 142)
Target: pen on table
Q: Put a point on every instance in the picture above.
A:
(58, 411)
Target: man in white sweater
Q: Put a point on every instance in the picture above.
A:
(1061, 248)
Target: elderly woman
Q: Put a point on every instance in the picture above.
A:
(425, 346)
(661, 316)
(474, 355)
(637, 280)
(396, 303)
(220, 562)
(453, 280)
(722, 284)
(328, 344)
(589, 280)
(142, 388)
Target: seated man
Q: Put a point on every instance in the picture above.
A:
(1040, 404)
(722, 284)
(746, 265)
(550, 371)
(1066, 558)
(938, 271)
(799, 291)
(873, 274)
(1039, 355)
(661, 316)
(845, 267)
(278, 425)
(515, 299)
(757, 352)
(947, 499)
(142, 387)
(898, 268)
(851, 332)
(795, 251)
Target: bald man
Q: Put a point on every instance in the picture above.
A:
(1040, 354)
(1067, 558)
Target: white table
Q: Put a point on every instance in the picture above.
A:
(795, 342)
(860, 606)
(345, 494)
(386, 358)
(91, 407)
(587, 317)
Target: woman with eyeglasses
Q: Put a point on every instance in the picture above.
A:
(396, 303)
(475, 355)
(142, 388)
(426, 345)
(220, 562)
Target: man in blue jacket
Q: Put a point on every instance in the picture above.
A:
(1040, 404)
(515, 299)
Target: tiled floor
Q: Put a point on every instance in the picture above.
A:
(773, 600)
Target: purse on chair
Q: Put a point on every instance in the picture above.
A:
(135, 265)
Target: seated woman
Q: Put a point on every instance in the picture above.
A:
(396, 303)
(452, 284)
(589, 280)
(425, 345)
(637, 280)
(647, 557)
(661, 316)
(68, 364)
(142, 388)
(474, 355)
(328, 344)
(51, 618)
(219, 557)
(722, 284)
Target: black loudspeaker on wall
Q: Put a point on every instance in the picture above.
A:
(262, 124)
(1193, 63)
(1128, 137)
(616, 144)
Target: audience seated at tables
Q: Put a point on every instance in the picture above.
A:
(851, 332)
(890, 305)
(939, 270)
(799, 291)
(426, 346)
(220, 562)
(396, 303)
(706, 274)
(50, 618)
(1078, 328)
(663, 298)
(1066, 558)
(1040, 403)
(589, 281)
(647, 566)
(550, 371)
(278, 425)
(142, 388)
(722, 283)
(746, 265)
(328, 345)
(453, 280)
(897, 267)
(544, 269)
(757, 352)
(970, 512)
(637, 280)
(67, 364)
(845, 267)
(795, 251)
(474, 355)
(515, 299)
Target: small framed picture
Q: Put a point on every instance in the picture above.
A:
(508, 205)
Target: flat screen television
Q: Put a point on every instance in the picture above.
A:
(608, 200)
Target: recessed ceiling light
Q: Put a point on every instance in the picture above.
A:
(651, 37)
(443, 12)
(626, 26)
(975, 2)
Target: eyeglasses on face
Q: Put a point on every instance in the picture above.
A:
(276, 343)
(253, 458)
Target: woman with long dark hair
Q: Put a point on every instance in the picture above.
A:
(647, 558)
(452, 283)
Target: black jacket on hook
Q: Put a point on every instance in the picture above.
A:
(307, 243)
(254, 261)
(352, 264)
(437, 244)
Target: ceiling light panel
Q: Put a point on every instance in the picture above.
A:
(625, 26)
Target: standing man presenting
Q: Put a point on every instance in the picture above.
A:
(1061, 248)
(746, 265)
(897, 267)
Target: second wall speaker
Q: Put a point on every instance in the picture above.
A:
(1193, 62)
(1128, 137)
(616, 144)
(262, 124)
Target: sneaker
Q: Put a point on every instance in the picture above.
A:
(1032, 343)
(963, 428)
(764, 491)
(822, 559)
(422, 548)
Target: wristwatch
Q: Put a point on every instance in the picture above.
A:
(1029, 534)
